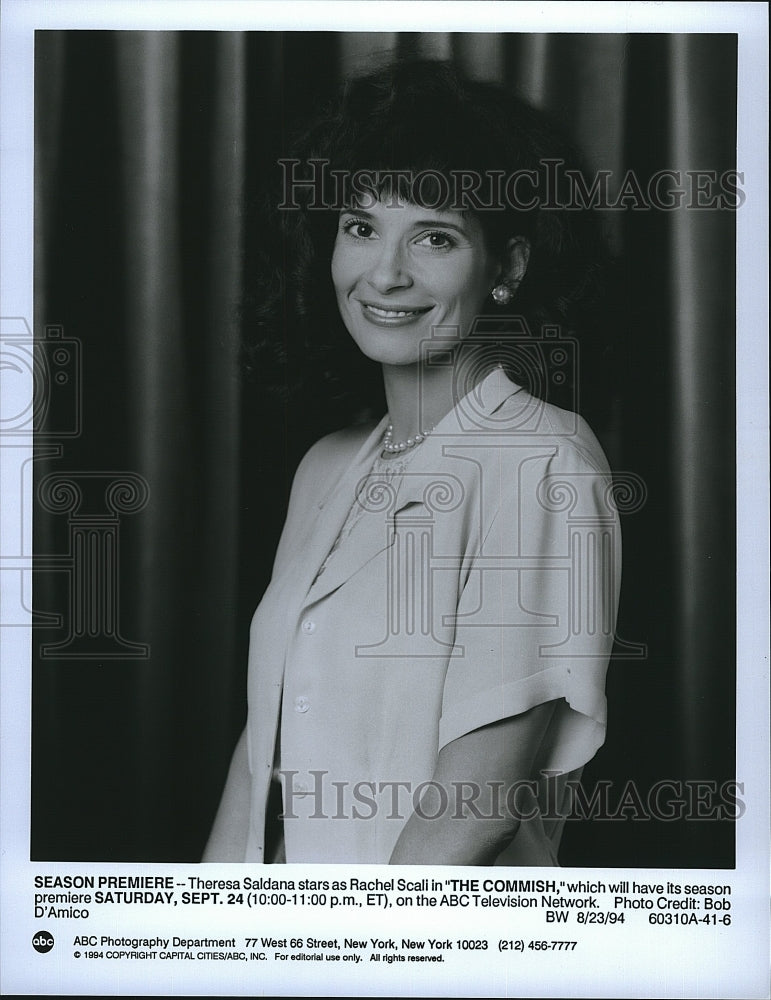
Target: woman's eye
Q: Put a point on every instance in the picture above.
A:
(356, 227)
(437, 241)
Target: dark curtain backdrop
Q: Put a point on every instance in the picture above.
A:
(149, 148)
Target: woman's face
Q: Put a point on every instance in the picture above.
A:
(400, 270)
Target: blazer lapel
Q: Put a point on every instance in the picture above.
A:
(332, 511)
(433, 474)
(428, 469)
(371, 535)
(380, 500)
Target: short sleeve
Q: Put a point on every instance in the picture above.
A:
(536, 615)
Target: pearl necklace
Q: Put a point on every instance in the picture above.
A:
(392, 447)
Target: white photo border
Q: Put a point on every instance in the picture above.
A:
(19, 19)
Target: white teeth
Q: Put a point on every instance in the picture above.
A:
(392, 313)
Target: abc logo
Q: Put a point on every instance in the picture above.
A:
(43, 942)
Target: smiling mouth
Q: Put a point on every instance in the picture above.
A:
(378, 312)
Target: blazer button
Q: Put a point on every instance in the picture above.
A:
(308, 626)
(301, 705)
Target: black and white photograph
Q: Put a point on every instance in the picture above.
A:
(385, 479)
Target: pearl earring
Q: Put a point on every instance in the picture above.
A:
(502, 294)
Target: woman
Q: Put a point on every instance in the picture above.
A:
(427, 666)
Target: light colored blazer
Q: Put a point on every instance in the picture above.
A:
(481, 583)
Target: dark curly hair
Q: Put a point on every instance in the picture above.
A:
(411, 118)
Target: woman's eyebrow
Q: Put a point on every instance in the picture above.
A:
(439, 224)
(418, 224)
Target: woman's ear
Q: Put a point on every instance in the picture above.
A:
(515, 260)
(513, 267)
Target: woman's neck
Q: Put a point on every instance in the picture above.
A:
(419, 397)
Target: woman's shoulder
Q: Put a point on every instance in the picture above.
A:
(513, 415)
(330, 455)
(566, 433)
(340, 445)
(576, 437)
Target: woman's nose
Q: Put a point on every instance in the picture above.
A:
(390, 269)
